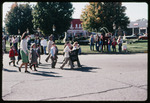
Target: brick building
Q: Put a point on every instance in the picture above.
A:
(76, 29)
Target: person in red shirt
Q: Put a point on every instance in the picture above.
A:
(114, 43)
(12, 54)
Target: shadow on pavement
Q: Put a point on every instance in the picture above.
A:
(83, 69)
(7, 70)
(46, 74)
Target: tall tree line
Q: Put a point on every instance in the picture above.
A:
(104, 14)
(43, 15)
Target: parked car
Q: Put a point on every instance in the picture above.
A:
(143, 37)
(133, 36)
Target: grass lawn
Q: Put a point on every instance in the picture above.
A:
(135, 47)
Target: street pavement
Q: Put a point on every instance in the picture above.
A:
(103, 77)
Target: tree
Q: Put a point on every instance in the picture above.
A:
(19, 18)
(103, 14)
(47, 14)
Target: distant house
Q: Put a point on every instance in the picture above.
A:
(139, 26)
(76, 29)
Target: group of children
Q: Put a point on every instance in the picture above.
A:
(34, 54)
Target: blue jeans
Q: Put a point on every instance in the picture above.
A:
(109, 48)
(44, 49)
(91, 46)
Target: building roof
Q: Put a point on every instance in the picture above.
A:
(141, 23)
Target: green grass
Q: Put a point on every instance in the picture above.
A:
(135, 47)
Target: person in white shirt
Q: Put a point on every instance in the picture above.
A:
(66, 56)
(44, 44)
(50, 42)
(24, 52)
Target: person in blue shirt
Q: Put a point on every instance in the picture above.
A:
(54, 52)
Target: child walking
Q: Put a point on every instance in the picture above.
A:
(39, 54)
(54, 52)
(12, 54)
(33, 56)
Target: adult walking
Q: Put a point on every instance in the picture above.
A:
(50, 42)
(24, 52)
(66, 56)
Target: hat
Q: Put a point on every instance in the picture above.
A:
(32, 44)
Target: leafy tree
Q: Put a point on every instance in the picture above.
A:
(103, 14)
(47, 14)
(19, 18)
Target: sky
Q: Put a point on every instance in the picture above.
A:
(135, 10)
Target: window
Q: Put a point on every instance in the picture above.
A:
(76, 25)
(79, 25)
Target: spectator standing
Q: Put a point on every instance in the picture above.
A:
(4, 45)
(12, 54)
(24, 52)
(114, 43)
(100, 45)
(109, 45)
(10, 40)
(97, 42)
(119, 41)
(91, 40)
(44, 44)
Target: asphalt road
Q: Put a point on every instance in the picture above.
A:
(103, 77)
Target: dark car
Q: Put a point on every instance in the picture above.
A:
(133, 36)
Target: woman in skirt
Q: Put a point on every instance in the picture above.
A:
(24, 52)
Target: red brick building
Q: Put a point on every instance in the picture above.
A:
(76, 29)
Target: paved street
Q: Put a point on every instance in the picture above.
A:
(103, 77)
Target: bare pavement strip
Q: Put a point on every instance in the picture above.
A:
(103, 77)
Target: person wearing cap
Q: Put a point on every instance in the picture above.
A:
(33, 56)
(24, 52)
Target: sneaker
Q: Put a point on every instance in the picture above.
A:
(35, 69)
